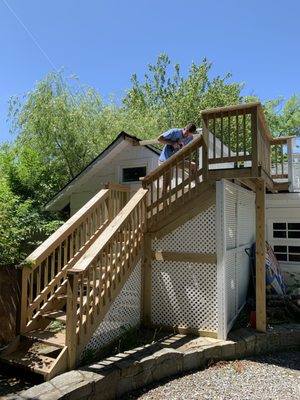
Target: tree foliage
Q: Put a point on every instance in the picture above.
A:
(172, 100)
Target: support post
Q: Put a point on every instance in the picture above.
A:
(261, 317)
(205, 146)
(147, 279)
(24, 300)
(290, 144)
(255, 142)
(72, 291)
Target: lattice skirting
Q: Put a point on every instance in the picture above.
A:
(185, 295)
(198, 235)
(124, 313)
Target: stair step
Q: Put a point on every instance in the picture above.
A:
(55, 315)
(45, 336)
(28, 355)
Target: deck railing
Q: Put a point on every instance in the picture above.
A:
(174, 181)
(228, 132)
(97, 278)
(238, 136)
(45, 269)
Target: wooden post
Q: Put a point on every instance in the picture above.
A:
(71, 319)
(24, 299)
(147, 279)
(290, 164)
(255, 142)
(205, 145)
(261, 318)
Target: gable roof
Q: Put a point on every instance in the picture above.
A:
(123, 136)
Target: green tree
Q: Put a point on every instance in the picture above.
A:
(172, 100)
(58, 130)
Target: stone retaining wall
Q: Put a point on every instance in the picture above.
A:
(125, 372)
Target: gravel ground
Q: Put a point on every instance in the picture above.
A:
(266, 377)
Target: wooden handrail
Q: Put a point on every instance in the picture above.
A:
(99, 275)
(61, 233)
(173, 160)
(89, 256)
(177, 177)
(45, 269)
(229, 109)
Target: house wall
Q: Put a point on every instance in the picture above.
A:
(235, 233)
(111, 171)
(184, 294)
(284, 208)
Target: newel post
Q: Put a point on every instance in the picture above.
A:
(205, 147)
(24, 299)
(255, 142)
(290, 145)
(71, 323)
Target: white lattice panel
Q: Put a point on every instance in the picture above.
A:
(124, 313)
(197, 235)
(184, 294)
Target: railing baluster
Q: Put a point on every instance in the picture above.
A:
(61, 250)
(190, 173)
(222, 138)
(229, 135)
(244, 133)
(281, 153)
(46, 279)
(237, 138)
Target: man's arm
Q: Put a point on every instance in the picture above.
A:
(164, 140)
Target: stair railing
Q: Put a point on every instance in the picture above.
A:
(97, 278)
(45, 269)
(174, 181)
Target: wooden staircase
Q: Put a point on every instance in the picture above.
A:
(74, 276)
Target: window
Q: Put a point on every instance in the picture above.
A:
(287, 253)
(133, 174)
(286, 246)
(286, 230)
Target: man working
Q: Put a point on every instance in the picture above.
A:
(173, 140)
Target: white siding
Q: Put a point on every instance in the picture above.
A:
(111, 171)
(284, 208)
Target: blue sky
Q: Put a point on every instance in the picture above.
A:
(105, 42)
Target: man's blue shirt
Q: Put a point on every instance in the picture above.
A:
(174, 135)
